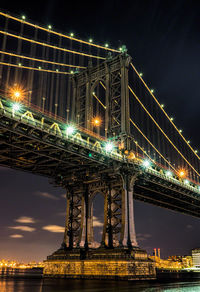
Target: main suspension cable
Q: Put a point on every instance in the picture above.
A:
(162, 130)
(171, 121)
(145, 153)
(40, 60)
(144, 137)
(152, 145)
(57, 33)
(50, 46)
(33, 68)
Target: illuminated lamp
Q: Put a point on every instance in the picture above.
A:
(121, 145)
(168, 173)
(182, 173)
(96, 122)
(146, 163)
(17, 94)
(16, 107)
(186, 181)
(109, 147)
(70, 130)
(131, 155)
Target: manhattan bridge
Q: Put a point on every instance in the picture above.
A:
(82, 115)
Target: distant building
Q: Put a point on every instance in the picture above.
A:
(173, 262)
(196, 257)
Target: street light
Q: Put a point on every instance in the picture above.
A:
(70, 130)
(109, 147)
(96, 122)
(16, 107)
(182, 173)
(168, 173)
(146, 163)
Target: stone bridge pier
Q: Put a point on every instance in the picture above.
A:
(118, 255)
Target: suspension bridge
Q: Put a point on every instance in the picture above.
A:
(82, 115)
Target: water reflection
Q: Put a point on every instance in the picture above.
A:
(50, 285)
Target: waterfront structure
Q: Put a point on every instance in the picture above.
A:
(172, 262)
(95, 140)
(196, 257)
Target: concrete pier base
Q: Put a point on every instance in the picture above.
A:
(116, 264)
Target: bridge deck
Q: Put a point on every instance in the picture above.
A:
(36, 143)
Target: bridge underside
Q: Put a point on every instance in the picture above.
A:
(25, 147)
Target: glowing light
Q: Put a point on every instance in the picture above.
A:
(188, 141)
(90, 40)
(109, 147)
(162, 105)
(16, 107)
(23, 17)
(186, 181)
(106, 45)
(141, 74)
(169, 173)
(131, 155)
(70, 130)
(180, 131)
(171, 118)
(120, 49)
(49, 26)
(152, 90)
(72, 72)
(90, 155)
(196, 151)
(182, 173)
(146, 163)
(96, 121)
(19, 64)
(71, 34)
(16, 93)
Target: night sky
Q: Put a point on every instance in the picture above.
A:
(163, 38)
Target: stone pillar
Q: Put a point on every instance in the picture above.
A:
(86, 217)
(90, 225)
(65, 239)
(128, 235)
(109, 218)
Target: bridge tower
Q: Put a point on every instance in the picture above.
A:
(113, 76)
(118, 254)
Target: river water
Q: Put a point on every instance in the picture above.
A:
(23, 281)
(50, 285)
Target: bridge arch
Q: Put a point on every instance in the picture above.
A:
(96, 218)
(98, 101)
